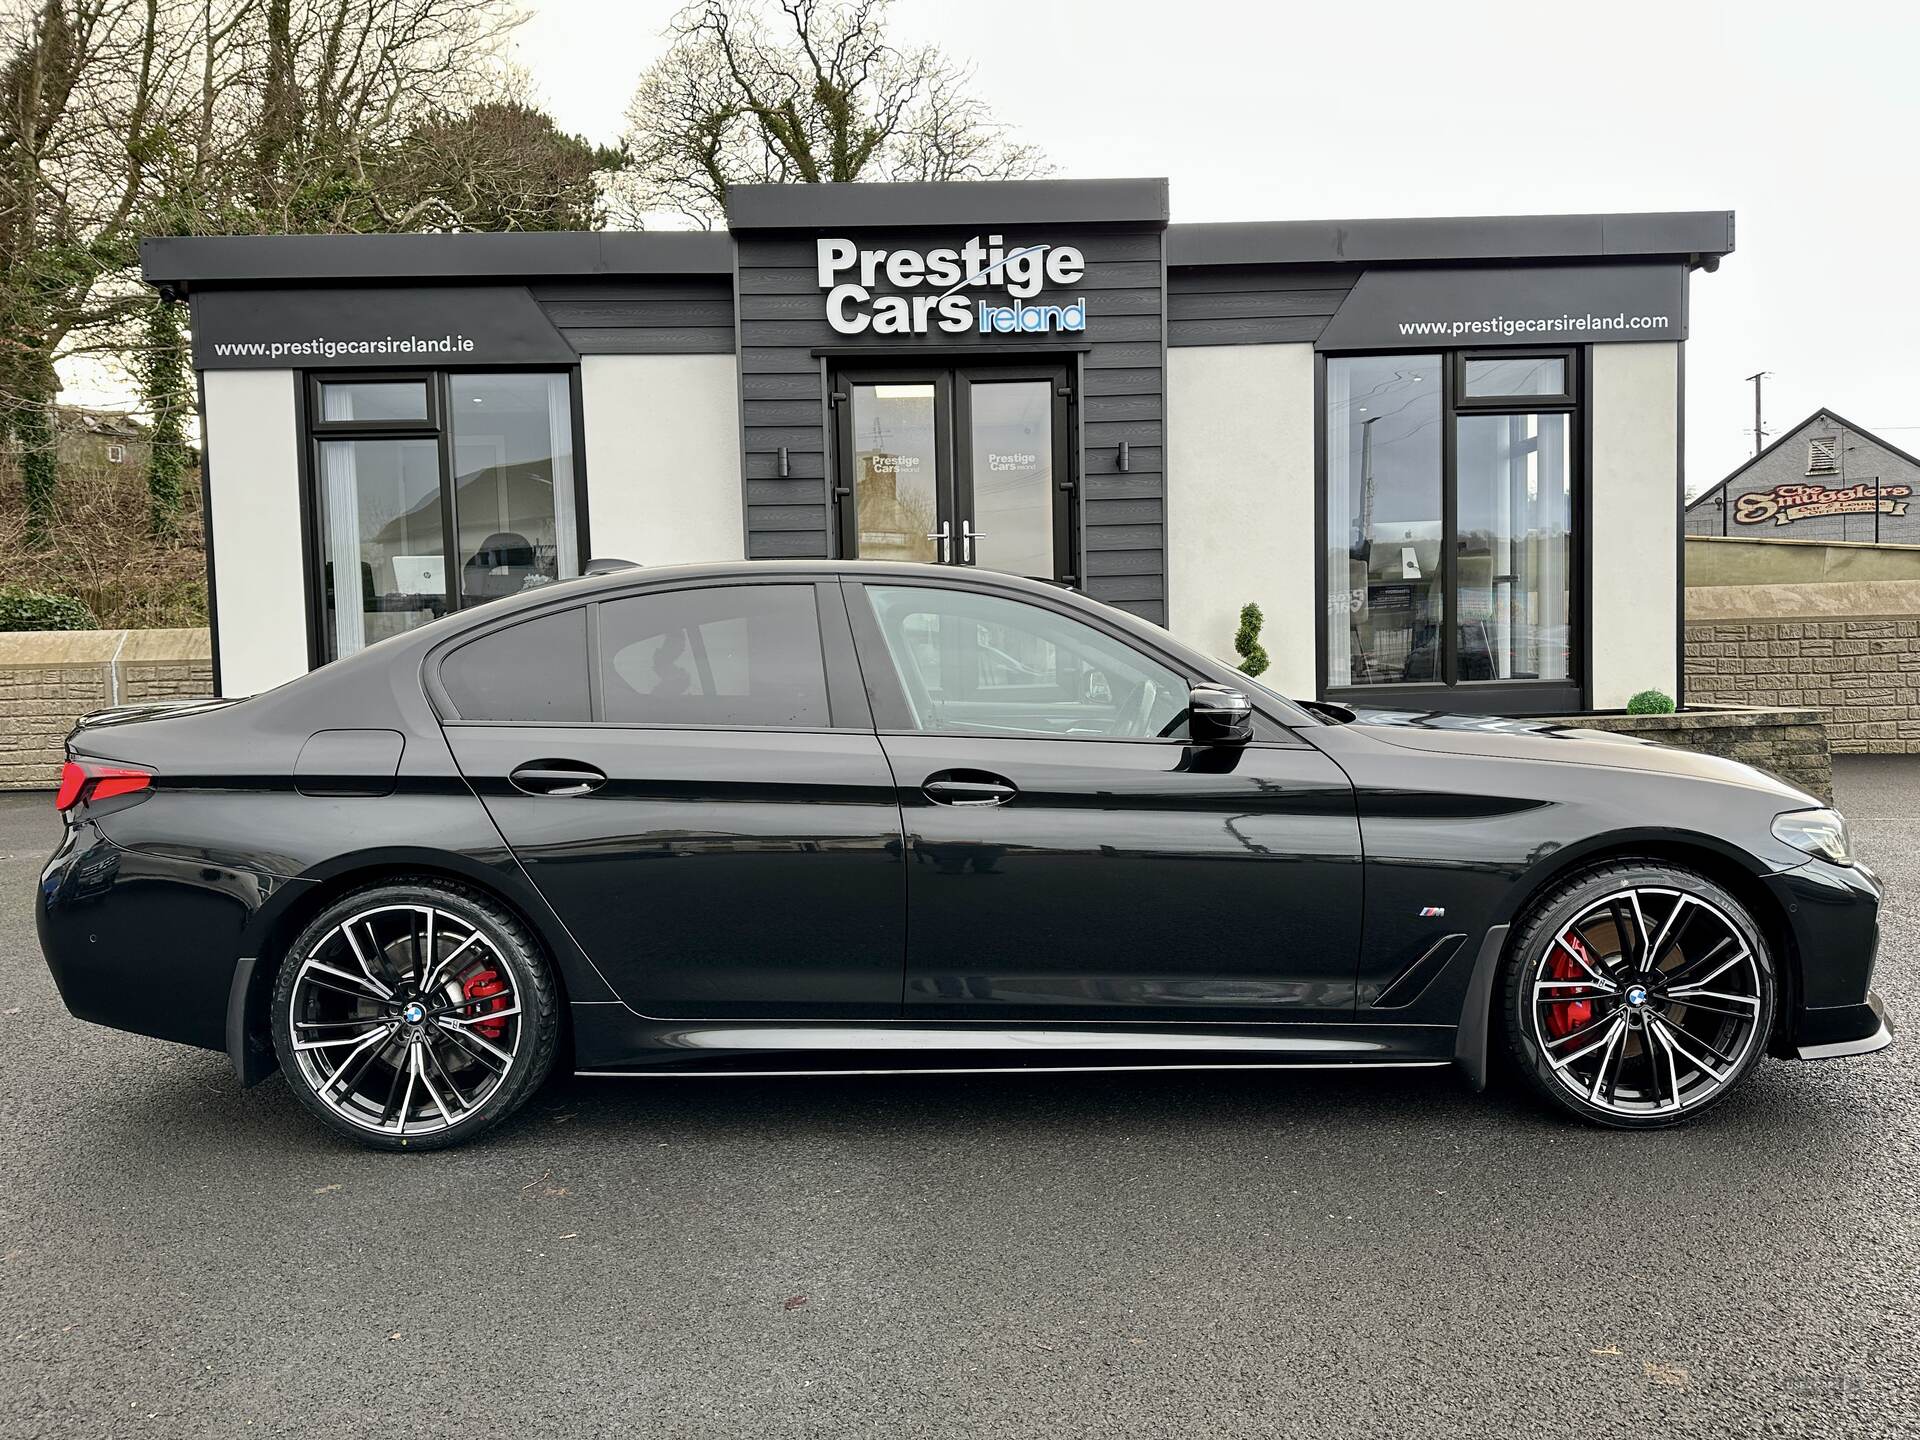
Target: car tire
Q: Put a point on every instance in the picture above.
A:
(438, 998)
(1638, 994)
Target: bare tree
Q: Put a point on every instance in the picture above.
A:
(500, 165)
(124, 118)
(82, 86)
(809, 92)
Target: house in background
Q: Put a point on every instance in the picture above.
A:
(1825, 479)
(91, 438)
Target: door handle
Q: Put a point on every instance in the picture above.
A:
(945, 536)
(973, 790)
(557, 777)
(967, 536)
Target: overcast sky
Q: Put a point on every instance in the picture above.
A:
(1802, 119)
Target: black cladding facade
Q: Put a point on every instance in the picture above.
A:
(789, 351)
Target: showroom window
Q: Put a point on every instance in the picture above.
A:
(435, 491)
(1451, 545)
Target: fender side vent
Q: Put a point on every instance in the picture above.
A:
(1406, 987)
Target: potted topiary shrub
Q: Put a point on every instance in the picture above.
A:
(1246, 640)
(1650, 702)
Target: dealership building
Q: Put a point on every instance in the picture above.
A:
(1442, 455)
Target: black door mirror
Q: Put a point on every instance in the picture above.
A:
(1217, 715)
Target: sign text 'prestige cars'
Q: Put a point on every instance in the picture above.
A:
(849, 275)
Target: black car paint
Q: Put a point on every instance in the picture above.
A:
(1137, 902)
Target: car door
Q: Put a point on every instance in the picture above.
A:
(689, 776)
(1071, 855)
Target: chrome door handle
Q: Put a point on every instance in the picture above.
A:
(557, 777)
(967, 536)
(945, 537)
(969, 792)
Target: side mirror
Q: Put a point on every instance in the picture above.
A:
(1218, 716)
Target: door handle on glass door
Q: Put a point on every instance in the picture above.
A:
(557, 777)
(945, 536)
(967, 536)
(978, 790)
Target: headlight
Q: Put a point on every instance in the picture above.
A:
(1818, 832)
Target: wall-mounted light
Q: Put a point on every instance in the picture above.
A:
(783, 462)
(1123, 456)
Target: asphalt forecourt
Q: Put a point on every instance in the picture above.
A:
(1222, 1255)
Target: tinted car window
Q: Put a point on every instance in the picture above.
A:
(728, 655)
(534, 672)
(984, 664)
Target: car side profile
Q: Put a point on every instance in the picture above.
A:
(803, 817)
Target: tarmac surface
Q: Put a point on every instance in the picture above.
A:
(1071, 1255)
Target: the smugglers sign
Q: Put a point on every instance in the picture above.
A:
(1785, 504)
(939, 289)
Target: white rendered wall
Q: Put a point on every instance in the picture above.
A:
(253, 491)
(1636, 498)
(1240, 502)
(663, 457)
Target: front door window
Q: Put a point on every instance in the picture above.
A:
(896, 467)
(957, 467)
(1010, 478)
(972, 664)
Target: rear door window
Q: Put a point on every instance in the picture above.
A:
(728, 655)
(533, 673)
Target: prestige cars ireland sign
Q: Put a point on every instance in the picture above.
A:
(942, 288)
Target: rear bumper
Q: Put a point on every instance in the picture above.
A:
(144, 942)
(1835, 1032)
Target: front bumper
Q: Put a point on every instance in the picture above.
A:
(1836, 1031)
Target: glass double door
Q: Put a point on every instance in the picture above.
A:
(956, 466)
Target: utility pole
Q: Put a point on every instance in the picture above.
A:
(1759, 428)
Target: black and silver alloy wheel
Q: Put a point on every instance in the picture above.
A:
(1640, 995)
(414, 1016)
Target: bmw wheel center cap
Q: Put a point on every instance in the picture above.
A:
(1636, 995)
(416, 1012)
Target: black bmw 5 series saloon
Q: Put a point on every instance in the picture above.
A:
(792, 818)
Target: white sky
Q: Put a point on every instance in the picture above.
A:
(1802, 119)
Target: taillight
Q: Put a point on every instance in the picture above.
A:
(93, 780)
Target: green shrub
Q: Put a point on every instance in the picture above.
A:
(1650, 702)
(23, 609)
(1246, 641)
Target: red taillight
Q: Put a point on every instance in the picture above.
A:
(92, 780)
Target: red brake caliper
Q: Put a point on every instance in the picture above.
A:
(1566, 1016)
(486, 985)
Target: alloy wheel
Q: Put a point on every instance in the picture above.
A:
(1647, 1003)
(405, 1019)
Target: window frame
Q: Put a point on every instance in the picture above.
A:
(437, 427)
(847, 707)
(411, 429)
(1456, 362)
(1494, 696)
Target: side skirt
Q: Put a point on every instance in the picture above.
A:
(610, 1039)
(684, 1072)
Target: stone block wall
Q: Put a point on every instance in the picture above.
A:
(49, 679)
(1863, 672)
